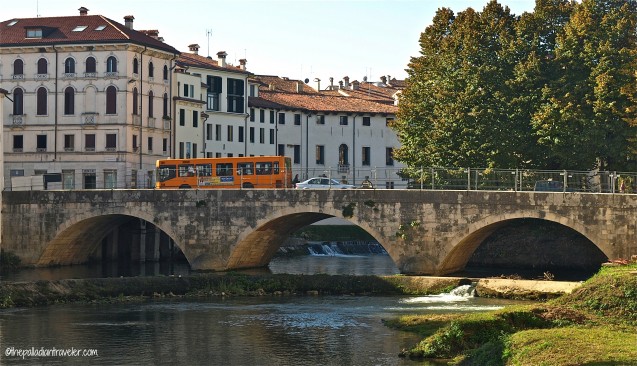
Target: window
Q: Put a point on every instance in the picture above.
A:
(218, 132)
(69, 101)
(18, 67)
(252, 90)
(111, 64)
(320, 120)
(135, 101)
(164, 145)
(262, 135)
(68, 179)
(251, 114)
(297, 154)
(34, 33)
(366, 158)
(111, 141)
(271, 117)
(110, 179)
(100, 27)
(320, 155)
(343, 120)
(261, 115)
(181, 150)
(43, 66)
(111, 100)
(272, 136)
(89, 142)
(69, 66)
(182, 117)
(149, 146)
(79, 28)
(297, 119)
(235, 95)
(18, 102)
(135, 66)
(134, 142)
(281, 118)
(208, 131)
(69, 142)
(186, 90)
(40, 143)
(215, 88)
(90, 64)
(241, 133)
(281, 150)
(151, 99)
(389, 156)
(41, 97)
(194, 150)
(151, 70)
(367, 121)
(165, 73)
(252, 134)
(230, 133)
(223, 169)
(18, 143)
(195, 119)
(165, 114)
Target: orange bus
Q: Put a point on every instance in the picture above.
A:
(234, 172)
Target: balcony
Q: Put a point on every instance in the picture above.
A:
(166, 123)
(137, 120)
(91, 75)
(151, 122)
(69, 75)
(110, 74)
(41, 76)
(18, 119)
(17, 76)
(89, 119)
(343, 168)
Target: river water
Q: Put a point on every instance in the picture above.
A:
(268, 330)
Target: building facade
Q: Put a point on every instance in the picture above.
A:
(90, 100)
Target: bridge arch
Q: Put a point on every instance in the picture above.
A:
(78, 237)
(465, 243)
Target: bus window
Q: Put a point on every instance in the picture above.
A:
(186, 170)
(204, 170)
(166, 172)
(264, 168)
(245, 168)
(224, 169)
(276, 167)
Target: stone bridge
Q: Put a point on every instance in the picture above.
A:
(424, 232)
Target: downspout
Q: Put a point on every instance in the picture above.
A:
(140, 176)
(55, 119)
(245, 132)
(354, 150)
(307, 142)
(171, 110)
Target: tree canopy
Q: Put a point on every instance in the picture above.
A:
(551, 89)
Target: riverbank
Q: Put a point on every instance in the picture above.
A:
(39, 293)
(593, 324)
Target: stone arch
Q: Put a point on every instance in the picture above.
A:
(256, 246)
(76, 238)
(464, 244)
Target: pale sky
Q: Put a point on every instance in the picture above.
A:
(295, 38)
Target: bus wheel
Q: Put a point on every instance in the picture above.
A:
(247, 185)
(184, 186)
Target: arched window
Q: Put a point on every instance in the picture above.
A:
(43, 66)
(111, 100)
(69, 101)
(69, 66)
(135, 66)
(90, 64)
(111, 64)
(165, 72)
(18, 102)
(135, 103)
(165, 105)
(41, 101)
(18, 67)
(150, 103)
(151, 70)
(343, 155)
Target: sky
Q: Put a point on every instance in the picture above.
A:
(299, 39)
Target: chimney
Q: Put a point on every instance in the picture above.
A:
(383, 79)
(318, 84)
(128, 21)
(340, 84)
(194, 48)
(331, 83)
(153, 33)
(83, 11)
(388, 80)
(221, 58)
(242, 63)
(355, 85)
(346, 80)
(271, 87)
(299, 87)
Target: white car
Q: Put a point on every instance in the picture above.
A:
(322, 183)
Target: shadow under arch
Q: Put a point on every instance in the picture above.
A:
(78, 238)
(256, 247)
(470, 239)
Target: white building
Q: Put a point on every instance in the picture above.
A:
(91, 100)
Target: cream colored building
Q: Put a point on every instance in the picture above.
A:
(91, 100)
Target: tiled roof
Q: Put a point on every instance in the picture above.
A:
(193, 60)
(369, 91)
(282, 84)
(258, 102)
(60, 30)
(325, 103)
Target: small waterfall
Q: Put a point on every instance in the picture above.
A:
(459, 294)
(344, 248)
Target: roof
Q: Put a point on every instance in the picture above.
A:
(60, 30)
(282, 84)
(322, 103)
(194, 60)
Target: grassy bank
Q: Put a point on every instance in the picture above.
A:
(595, 324)
(25, 294)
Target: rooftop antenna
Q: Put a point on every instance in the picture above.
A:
(208, 34)
(37, 8)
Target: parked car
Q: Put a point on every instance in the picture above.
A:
(549, 186)
(322, 183)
